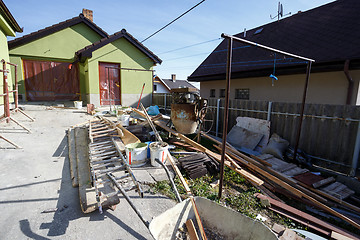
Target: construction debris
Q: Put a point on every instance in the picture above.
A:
(105, 146)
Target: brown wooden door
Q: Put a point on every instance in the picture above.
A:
(109, 81)
(50, 81)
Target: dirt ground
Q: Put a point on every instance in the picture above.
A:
(36, 197)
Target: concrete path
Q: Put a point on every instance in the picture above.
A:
(36, 197)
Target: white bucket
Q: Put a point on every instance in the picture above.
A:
(78, 104)
(136, 154)
(124, 120)
(158, 151)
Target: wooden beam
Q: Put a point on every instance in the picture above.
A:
(191, 230)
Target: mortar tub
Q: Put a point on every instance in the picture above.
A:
(222, 220)
(183, 116)
(158, 151)
(136, 154)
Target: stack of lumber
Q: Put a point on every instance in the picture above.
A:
(260, 173)
(198, 165)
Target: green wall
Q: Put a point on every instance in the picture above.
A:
(59, 46)
(4, 54)
(123, 52)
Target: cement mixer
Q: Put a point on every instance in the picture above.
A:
(188, 109)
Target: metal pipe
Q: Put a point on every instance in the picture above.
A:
(226, 114)
(302, 109)
(165, 103)
(355, 158)
(217, 116)
(269, 111)
(351, 82)
(266, 47)
(170, 179)
(118, 186)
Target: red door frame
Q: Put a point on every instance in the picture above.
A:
(113, 85)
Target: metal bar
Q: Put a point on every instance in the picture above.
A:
(171, 180)
(116, 184)
(151, 123)
(269, 111)
(26, 115)
(96, 190)
(292, 114)
(266, 47)
(355, 158)
(226, 114)
(165, 103)
(12, 143)
(25, 128)
(129, 170)
(217, 116)
(131, 69)
(302, 109)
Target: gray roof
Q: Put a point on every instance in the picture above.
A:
(177, 84)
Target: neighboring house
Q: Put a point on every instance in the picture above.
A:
(329, 34)
(165, 85)
(76, 59)
(8, 27)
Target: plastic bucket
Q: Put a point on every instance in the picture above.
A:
(158, 151)
(136, 154)
(78, 104)
(124, 119)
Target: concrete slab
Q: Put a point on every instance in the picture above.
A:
(37, 178)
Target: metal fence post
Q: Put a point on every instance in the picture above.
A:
(217, 116)
(269, 111)
(355, 158)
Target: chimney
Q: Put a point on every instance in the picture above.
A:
(173, 77)
(88, 14)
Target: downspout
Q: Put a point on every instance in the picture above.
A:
(351, 82)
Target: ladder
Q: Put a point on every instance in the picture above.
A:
(106, 159)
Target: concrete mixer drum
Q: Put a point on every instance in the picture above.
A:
(187, 109)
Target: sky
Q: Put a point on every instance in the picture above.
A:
(201, 27)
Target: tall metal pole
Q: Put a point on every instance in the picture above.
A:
(226, 113)
(302, 109)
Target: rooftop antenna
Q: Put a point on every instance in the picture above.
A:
(280, 12)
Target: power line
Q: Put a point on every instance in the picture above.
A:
(172, 21)
(196, 44)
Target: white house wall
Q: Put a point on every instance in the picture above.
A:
(324, 88)
(161, 88)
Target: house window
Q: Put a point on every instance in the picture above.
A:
(222, 93)
(242, 93)
(155, 88)
(212, 92)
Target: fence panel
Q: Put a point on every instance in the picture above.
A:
(328, 132)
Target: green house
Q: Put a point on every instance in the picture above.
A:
(77, 60)
(8, 27)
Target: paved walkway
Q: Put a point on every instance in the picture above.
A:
(36, 197)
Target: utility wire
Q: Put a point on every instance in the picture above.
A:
(172, 21)
(196, 44)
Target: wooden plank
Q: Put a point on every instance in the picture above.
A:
(188, 192)
(323, 182)
(303, 217)
(191, 230)
(72, 158)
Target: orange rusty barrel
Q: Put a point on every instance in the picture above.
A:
(183, 116)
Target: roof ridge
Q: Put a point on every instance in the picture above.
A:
(87, 50)
(54, 28)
